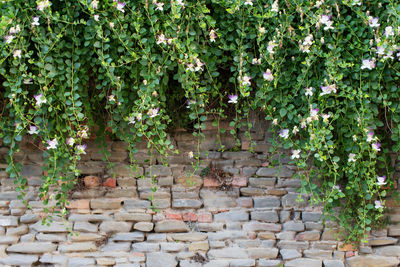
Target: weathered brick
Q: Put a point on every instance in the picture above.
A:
(266, 216)
(267, 202)
(186, 203)
(32, 247)
(275, 172)
(114, 227)
(240, 216)
(171, 226)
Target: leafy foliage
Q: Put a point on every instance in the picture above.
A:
(326, 74)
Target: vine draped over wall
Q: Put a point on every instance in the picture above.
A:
(325, 73)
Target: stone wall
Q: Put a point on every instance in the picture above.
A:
(252, 219)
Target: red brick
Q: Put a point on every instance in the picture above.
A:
(79, 204)
(208, 182)
(173, 216)
(350, 254)
(110, 182)
(204, 217)
(189, 217)
(91, 181)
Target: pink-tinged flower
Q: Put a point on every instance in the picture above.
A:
(70, 141)
(256, 61)
(373, 22)
(324, 19)
(389, 31)
(80, 149)
(233, 99)
(368, 64)
(284, 133)
(35, 21)
(380, 50)
(40, 99)
(271, 46)
(325, 117)
(213, 36)
(8, 39)
(84, 133)
(275, 6)
(337, 187)
(159, 6)
(303, 124)
(295, 130)
(381, 180)
(268, 75)
(121, 6)
(14, 30)
(33, 130)
(199, 65)
(296, 154)
(314, 113)
(131, 120)
(376, 146)
(248, 2)
(42, 5)
(328, 89)
(153, 112)
(245, 80)
(309, 91)
(17, 53)
(370, 136)
(190, 102)
(52, 144)
(94, 4)
(378, 204)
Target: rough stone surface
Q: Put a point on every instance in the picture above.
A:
(171, 226)
(157, 259)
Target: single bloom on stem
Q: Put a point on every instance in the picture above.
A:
(389, 31)
(370, 136)
(233, 99)
(246, 80)
(295, 130)
(376, 146)
(314, 113)
(368, 64)
(80, 149)
(284, 133)
(309, 91)
(378, 204)
(131, 120)
(52, 144)
(33, 130)
(159, 6)
(70, 141)
(153, 112)
(43, 4)
(337, 187)
(213, 36)
(17, 53)
(94, 4)
(248, 2)
(296, 154)
(352, 157)
(381, 180)
(268, 75)
(8, 38)
(121, 6)
(40, 99)
(35, 21)
(373, 22)
(328, 89)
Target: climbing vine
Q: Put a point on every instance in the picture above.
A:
(325, 74)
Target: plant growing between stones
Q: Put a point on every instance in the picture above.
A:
(324, 73)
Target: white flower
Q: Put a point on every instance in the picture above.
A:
(308, 40)
(324, 19)
(131, 120)
(42, 5)
(70, 141)
(325, 117)
(373, 22)
(33, 130)
(389, 31)
(52, 144)
(84, 132)
(389, 54)
(284, 133)
(17, 53)
(94, 4)
(8, 38)
(381, 180)
(245, 80)
(190, 154)
(40, 99)
(96, 17)
(354, 138)
(14, 30)
(248, 2)
(328, 26)
(256, 61)
(309, 91)
(159, 6)
(303, 124)
(233, 99)
(295, 130)
(261, 30)
(275, 122)
(161, 39)
(121, 6)
(80, 149)
(356, 2)
(296, 154)
(271, 46)
(28, 81)
(275, 6)
(213, 36)
(376, 147)
(153, 112)
(111, 25)
(268, 75)
(111, 98)
(368, 64)
(370, 136)
(352, 157)
(328, 89)
(378, 204)
(180, 2)
(337, 188)
(314, 114)
(35, 21)
(380, 50)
